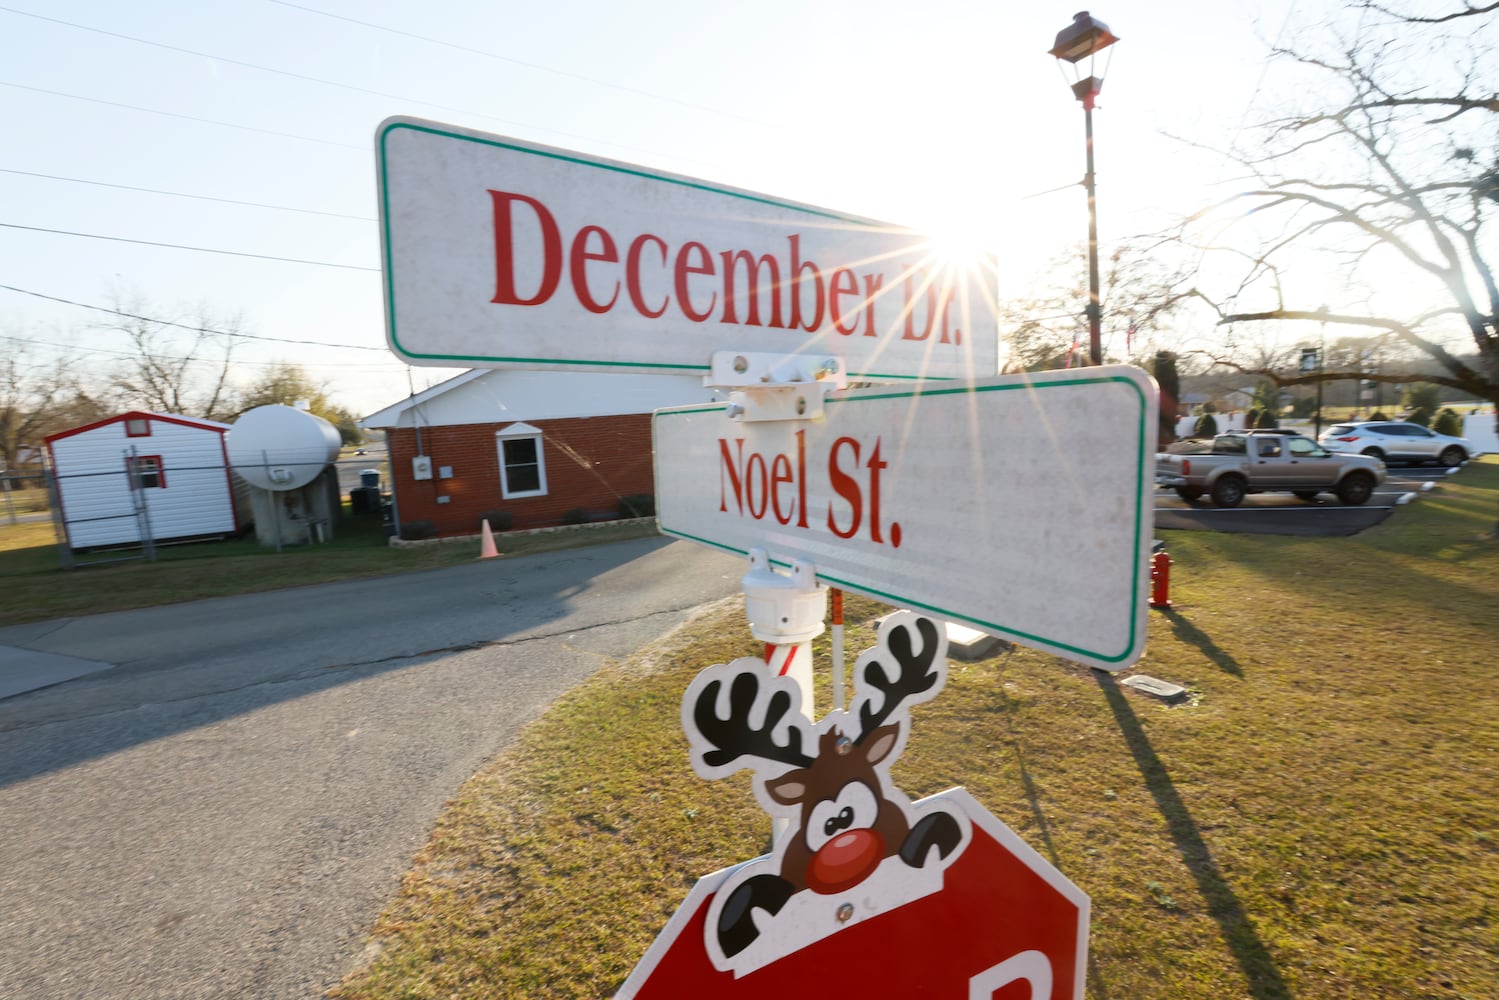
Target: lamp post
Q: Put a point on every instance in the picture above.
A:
(1083, 39)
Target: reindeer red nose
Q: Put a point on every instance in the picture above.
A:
(845, 861)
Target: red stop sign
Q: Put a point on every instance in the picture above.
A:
(1006, 925)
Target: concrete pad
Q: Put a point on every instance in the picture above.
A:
(1164, 690)
(23, 670)
(966, 643)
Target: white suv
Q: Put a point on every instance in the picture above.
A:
(1397, 441)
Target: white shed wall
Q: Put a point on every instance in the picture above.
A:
(196, 500)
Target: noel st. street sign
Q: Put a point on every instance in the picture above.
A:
(1020, 505)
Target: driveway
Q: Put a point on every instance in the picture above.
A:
(1283, 514)
(222, 811)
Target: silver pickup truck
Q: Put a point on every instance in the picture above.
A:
(1264, 461)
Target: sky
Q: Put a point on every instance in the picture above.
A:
(174, 157)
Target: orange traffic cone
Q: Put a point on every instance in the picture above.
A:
(486, 545)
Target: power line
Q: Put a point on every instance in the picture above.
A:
(187, 326)
(306, 78)
(179, 246)
(393, 366)
(184, 194)
(528, 65)
(191, 118)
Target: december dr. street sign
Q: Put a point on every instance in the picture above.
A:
(1020, 505)
(501, 253)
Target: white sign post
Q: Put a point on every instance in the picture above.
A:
(500, 253)
(1020, 505)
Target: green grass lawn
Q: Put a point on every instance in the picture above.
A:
(1320, 819)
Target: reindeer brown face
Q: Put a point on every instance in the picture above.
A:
(848, 819)
(847, 826)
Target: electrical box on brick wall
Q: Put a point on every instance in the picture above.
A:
(421, 467)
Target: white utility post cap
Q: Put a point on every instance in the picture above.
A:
(783, 609)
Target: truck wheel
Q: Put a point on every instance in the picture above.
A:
(1228, 492)
(1307, 495)
(1452, 455)
(1356, 488)
(1189, 493)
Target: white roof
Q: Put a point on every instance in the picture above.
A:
(499, 395)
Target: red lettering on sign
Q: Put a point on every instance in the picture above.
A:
(727, 465)
(875, 467)
(925, 292)
(752, 266)
(873, 285)
(844, 282)
(792, 288)
(818, 293)
(845, 482)
(756, 484)
(801, 477)
(751, 476)
(579, 259)
(703, 264)
(632, 275)
(845, 486)
(504, 247)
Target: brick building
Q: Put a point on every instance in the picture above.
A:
(540, 447)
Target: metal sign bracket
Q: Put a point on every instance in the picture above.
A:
(776, 386)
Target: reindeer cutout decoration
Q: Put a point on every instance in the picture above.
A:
(856, 846)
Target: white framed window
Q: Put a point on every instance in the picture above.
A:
(148, 471)
(523, 470)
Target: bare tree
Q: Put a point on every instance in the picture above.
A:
(1048, 328)
(1382, 186)
(39, 395)
(177, 367)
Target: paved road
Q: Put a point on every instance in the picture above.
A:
(1283, 514)
(223, 812)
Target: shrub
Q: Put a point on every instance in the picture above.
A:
(1252, 418)
(637, 505)
(1448, 422)
(1380, 415)
(1206, 426)
(1420, 415)
(578, 515)
(1267, 420)
(413, 531)
(499, 520)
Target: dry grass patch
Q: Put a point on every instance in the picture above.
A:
(1317, 821)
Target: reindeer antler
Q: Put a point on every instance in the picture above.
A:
(914, 677)
(734, 737)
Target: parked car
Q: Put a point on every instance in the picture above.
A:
(1263, 461)
(1396, 441)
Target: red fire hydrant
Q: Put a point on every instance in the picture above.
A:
(1160, 581)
